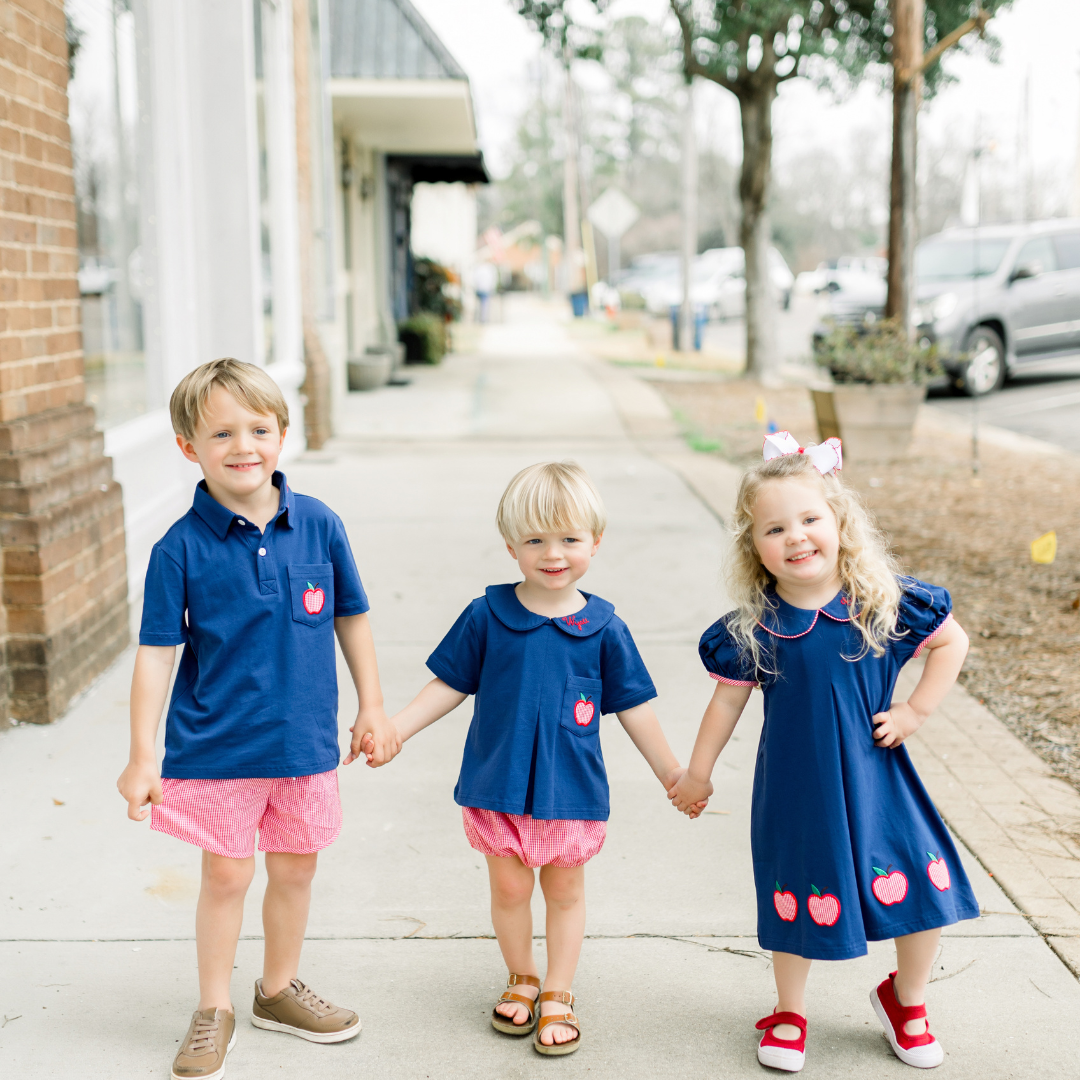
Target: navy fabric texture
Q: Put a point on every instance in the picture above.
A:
(541, 685)
(256, 691)
(847, 844)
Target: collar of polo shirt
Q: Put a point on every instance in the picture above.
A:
(219, 517)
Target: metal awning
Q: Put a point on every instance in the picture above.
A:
(443, 168)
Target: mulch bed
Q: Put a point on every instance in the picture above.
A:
(970, 534)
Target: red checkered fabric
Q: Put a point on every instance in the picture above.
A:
(534, 842)
(295, 814)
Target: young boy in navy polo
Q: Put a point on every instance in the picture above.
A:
(254, 581)
(544, 661)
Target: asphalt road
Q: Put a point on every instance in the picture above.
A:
(1042, 406)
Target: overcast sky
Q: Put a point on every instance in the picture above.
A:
(1040, 44)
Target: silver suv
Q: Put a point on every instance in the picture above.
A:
(999, 300)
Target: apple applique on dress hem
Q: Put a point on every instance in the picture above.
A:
(889, 888)
(786, 904)
(938, 873)
(824, 908)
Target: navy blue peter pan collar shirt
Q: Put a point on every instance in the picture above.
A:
(541, 685)
(256, 691)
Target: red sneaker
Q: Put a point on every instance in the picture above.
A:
(786, 1054)
(923, 1051)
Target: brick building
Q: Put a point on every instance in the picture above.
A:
(64, 599)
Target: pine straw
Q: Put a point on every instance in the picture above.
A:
(971, 536)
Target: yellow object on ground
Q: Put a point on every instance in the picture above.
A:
(759, 410)
(1044, 549)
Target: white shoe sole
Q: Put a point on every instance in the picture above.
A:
(311, 1036)
(220, 1073)
(781, 1057)
(919, 1057)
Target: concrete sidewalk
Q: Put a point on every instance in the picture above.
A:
(97, 971)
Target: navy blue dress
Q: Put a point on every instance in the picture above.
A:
(847, 845)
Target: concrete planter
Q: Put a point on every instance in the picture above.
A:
(370, 371)
(874, 422)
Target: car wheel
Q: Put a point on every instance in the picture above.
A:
(984, 371)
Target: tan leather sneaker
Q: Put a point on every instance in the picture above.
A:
(298, 1010)
(206, 1046)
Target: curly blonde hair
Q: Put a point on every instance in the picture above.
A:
(868, 571)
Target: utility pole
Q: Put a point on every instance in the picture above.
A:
(907, 42)
(685, 340)
(1023, 152)
(571, 215)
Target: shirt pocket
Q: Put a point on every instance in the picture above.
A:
(311, 593)
(581, 705)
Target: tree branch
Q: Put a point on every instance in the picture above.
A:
(977, 22)
(691, 65)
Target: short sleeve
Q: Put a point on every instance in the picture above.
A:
(626, 680)
(349, 595)
(724, 658)
(164, 601)
(459, 656)
(924, 612)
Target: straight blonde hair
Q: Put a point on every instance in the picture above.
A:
(247, 383)
(868, 571)
(552, 496)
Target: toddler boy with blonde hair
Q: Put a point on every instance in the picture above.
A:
(254, 581)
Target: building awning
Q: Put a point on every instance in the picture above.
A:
(406, 116)
(444, 168)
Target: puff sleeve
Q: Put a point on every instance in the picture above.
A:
(924, 612)
(723, 657)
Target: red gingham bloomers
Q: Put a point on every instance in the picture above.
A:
(295, 814)
(534, 841)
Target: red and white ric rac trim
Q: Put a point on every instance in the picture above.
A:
(926, 640)
(827, 456)
(731, 682)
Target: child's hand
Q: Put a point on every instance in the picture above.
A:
(374, 737)
(140, 784)
(690, 796)
(671, 779)
(893, 727)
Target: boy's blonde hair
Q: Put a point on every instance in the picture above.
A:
(247, 383)
(868, 572)
(550, 497)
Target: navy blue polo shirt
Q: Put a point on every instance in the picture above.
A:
(256, 691)
(541, 685)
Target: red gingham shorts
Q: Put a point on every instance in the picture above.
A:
(295, 814)
(534, 841)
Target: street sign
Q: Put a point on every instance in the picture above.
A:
(613, 213)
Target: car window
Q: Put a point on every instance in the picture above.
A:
(1039, 255)
(1067, 246)
(949, 260)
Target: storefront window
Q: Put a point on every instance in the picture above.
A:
(265, 209)
(104, 108)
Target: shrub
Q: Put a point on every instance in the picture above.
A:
(879, 353)
(424, 338)
(432, 284)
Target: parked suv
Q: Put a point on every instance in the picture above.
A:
(1000, 300)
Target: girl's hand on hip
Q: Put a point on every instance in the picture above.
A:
(690, 796)
(893, 727)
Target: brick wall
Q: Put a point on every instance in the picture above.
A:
(64, 587)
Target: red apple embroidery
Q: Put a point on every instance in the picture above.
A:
(824, 908)
(583, 711)
(938, 872)
(787, 907)
(314, 598)
(889, 888)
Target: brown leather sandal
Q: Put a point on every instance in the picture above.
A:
(566, 998)
(504, 1023)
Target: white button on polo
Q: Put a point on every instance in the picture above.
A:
(262, 551)
(240, 521)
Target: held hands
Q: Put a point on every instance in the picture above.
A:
(688, 796)
(140, 784)
(374, 737)
(893, 727)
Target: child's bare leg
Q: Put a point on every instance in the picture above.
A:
(285, 915)
(790, 972)
(511, 915)
(218, 918)
(564, 893)
(914, 961)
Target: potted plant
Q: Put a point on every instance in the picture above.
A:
(878, 378)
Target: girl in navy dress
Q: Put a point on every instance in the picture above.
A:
(544, 661)
(847, 846)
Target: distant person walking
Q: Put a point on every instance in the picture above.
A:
(486, 284)
(847, 846)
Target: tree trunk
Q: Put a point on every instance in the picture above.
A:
(685, 338)
(574, 278)
(903, 226)
(755, 110)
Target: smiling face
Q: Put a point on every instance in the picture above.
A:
(236, 449)
(797, 539)
(554, 561)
